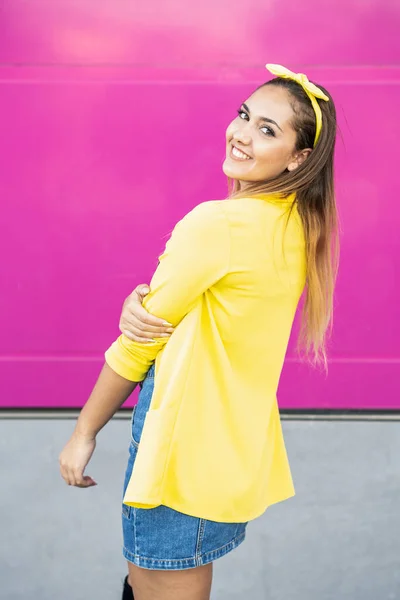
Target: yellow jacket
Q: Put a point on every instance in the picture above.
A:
(230, 280)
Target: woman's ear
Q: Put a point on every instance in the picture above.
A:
(298, 159)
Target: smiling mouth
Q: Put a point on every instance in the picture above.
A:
(237, 154)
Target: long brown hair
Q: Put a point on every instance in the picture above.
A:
(313, 184)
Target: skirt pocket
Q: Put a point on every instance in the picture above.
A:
(142, 407)
(145, 485)
(133, 441)
(126, 510)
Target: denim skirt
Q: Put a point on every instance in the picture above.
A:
(162, 538)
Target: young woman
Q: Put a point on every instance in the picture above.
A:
(207, 453)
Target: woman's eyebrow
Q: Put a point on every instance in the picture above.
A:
(262, 118)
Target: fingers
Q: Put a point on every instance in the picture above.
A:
(139, 325)
(138, 335)
(73, 460)
(140, 328)
(89, 482)
(68, 475)
(143, 337)
(84, 482)
(71, 477)
(76, 478)
(142, 290)
(144, 328)
(142, 314)
(147, 319)
(64, 474)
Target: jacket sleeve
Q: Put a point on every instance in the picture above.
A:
(195, 257)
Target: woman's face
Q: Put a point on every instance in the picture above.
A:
(260, 142)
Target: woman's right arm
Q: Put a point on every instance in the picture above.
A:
(196, 256)
(139, 325)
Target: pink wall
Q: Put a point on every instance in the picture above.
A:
(112, 127)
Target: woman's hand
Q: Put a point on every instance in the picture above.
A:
(139, 325)
(74, 458)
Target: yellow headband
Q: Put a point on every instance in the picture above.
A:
(310, 89)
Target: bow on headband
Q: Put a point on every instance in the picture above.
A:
(310, 89)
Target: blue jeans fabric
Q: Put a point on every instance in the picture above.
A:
(162, 538)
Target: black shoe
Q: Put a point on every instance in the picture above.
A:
(127, 594)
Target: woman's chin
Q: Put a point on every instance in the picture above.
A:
(230, 170)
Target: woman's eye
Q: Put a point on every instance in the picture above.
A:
(268, 131)
(242, 114)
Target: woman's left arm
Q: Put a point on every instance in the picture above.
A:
(196, 257)
(109, 393)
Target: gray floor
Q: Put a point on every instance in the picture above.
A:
(339, 538)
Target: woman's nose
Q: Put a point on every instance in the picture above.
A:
(242, 137)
